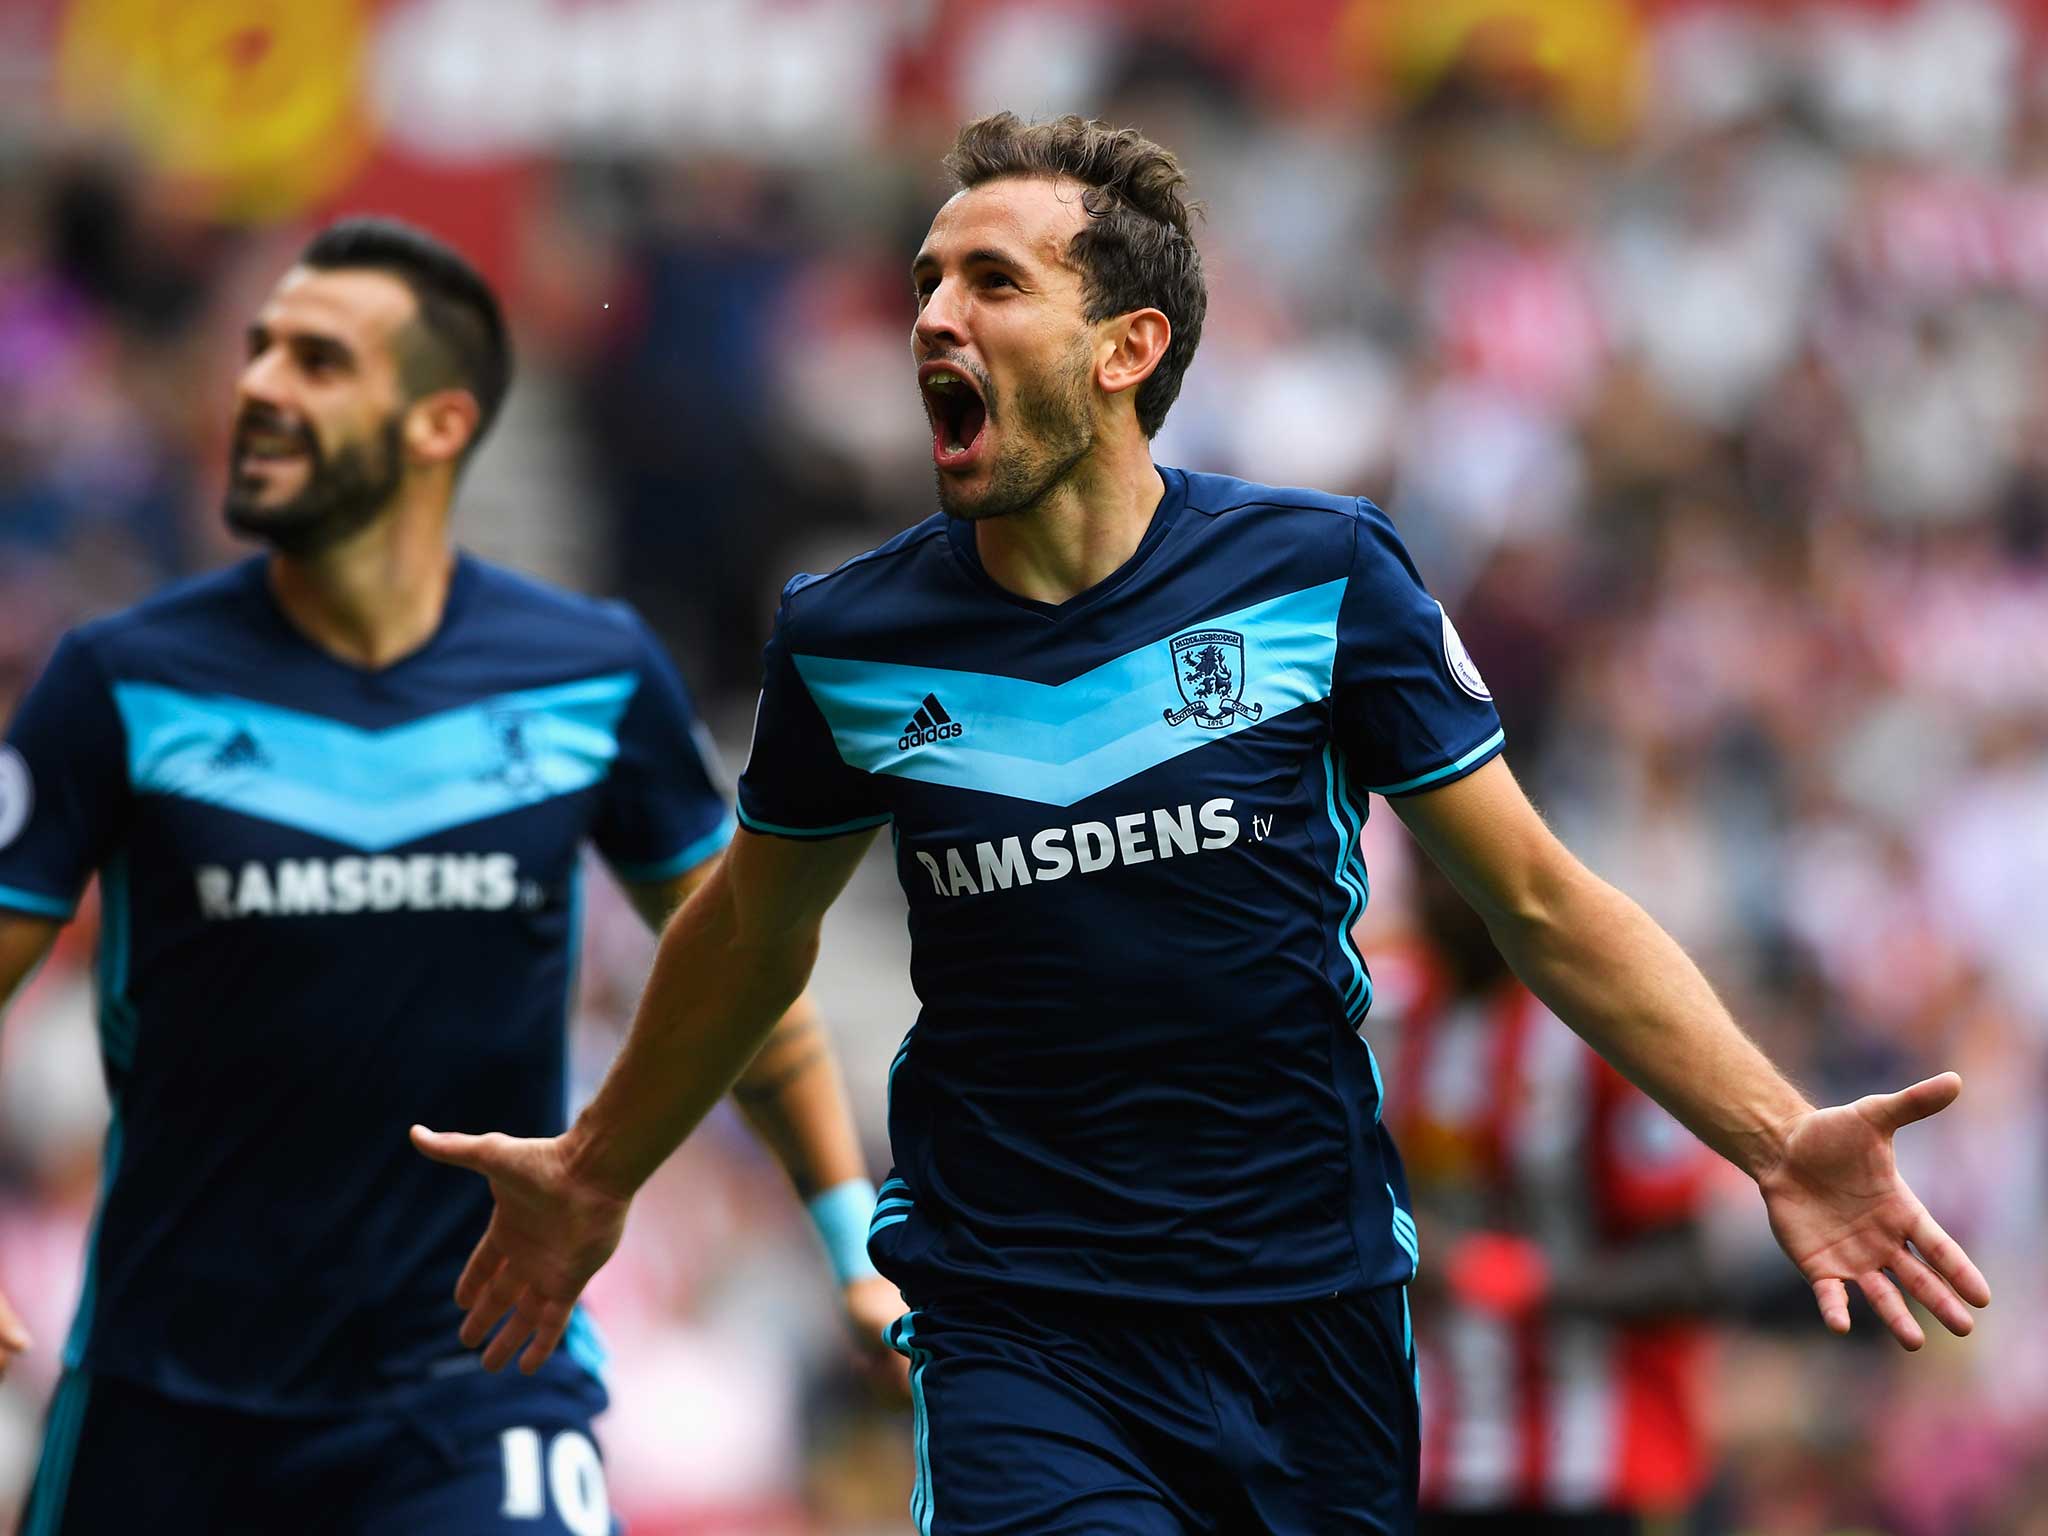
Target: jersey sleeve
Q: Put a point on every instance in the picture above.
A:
(796, 784)
(63, 785)
(1411, 710)
(661, 813)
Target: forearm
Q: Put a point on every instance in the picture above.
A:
(791, 1093)
(1599, 962)
(793, 1097)
(709, 1004)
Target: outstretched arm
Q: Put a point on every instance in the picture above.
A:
(1830, 1185)
(23, 943)
(791, 1092)
(730, 963)
(794, 1098)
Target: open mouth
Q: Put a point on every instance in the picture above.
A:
(258, 447)
(959, 415)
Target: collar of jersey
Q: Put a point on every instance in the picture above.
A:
(461, 582)
(960, 532)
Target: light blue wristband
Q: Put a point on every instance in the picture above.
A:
(841, 1214)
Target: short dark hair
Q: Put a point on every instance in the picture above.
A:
(1137, 250)
(460, 341)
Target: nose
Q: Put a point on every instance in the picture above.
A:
(939, 324)
(262, 379)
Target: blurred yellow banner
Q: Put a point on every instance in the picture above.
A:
(1588, 54)
(254, 106)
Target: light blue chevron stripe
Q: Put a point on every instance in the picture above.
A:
(374, 790)
(1056, 743)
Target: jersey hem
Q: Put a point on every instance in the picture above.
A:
(35, 904)
(1471, 760)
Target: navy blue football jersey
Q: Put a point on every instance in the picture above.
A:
(334, 902)
(1128, 828)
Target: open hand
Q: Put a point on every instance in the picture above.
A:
(549, 1233)
(872, 1304)
(1841, 1212)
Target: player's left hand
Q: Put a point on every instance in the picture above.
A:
(872, 1304)
(1841, 1212)
(549, 1233)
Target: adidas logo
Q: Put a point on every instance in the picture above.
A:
(240, 751)
(931, 723)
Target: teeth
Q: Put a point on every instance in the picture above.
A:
(942, 381)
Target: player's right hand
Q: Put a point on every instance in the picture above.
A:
(872, 1304)
(550, 1232)
(14, 1339)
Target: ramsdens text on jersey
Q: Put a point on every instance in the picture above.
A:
(1087, 846)
(420, 882)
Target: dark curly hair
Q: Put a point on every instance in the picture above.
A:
(1137, 250)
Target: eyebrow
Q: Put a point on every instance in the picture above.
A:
(259, 335)
(980, 256)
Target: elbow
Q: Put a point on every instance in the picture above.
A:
(785, 965)
(776, 959)
(1554, 899)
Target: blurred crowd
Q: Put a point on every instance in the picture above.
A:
(1709, 389)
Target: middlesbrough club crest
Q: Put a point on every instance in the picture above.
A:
(1208, 667)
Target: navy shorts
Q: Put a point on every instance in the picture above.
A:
(465, 1456)
(1039, 1417)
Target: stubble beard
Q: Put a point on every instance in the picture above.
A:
(1053, 432)
(343, 494)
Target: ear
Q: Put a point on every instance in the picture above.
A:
(1131, 347)
(440, 425)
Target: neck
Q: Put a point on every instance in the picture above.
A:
(377, 597)
(1086, 527)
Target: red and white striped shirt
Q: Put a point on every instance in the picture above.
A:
(1507, 1121)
